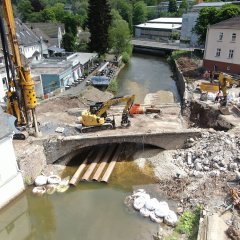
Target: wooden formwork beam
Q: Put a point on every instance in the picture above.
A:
(112, 164)
(76, 177)
(92, 166)
(104, 162)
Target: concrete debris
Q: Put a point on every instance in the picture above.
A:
(59, 129)
(212, 154)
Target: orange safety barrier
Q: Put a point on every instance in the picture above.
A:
(136, 109)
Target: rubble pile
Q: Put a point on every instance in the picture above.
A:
(213, 153)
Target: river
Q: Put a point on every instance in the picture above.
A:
(94, 210)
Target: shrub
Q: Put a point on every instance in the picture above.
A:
(113, 87)
(188, 223)
(125, 57)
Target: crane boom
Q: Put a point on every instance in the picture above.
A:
(21, 85)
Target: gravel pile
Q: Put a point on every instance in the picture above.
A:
(213, 153)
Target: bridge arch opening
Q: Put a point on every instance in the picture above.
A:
(99, 162)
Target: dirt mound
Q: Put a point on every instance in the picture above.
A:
(60, 104)
(63, 103)
(95, 95)
(188, 66)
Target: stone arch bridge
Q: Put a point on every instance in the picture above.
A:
(63, 149)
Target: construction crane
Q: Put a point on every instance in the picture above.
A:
(96, 118)
(21, 95)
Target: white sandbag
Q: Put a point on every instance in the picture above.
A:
(54, 179)
(162, 209)
(152, 204)
(40, 180)
(211, 96)
(144, 212)
(139, 202)
(171, 218)
(40, 190)
(154, 218)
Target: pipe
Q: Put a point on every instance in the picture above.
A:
(111, 165)
(75, 179)
(89, 171)
(104, 162)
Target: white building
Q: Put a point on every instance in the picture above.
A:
(11, 181)
(222, 48)
(159, 29)
(29, 43)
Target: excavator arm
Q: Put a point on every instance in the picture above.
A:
(114, 101)
(96, 118)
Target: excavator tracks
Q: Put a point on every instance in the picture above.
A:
(105, 126)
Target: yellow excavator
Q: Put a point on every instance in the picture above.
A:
(226, 81)
(21, 95)
(96, 117)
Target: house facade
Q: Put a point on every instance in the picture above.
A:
(222, 47)
(11, 181)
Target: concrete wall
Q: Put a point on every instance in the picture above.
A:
(181, 83)
(221, 66)
(188, 23)
(11, 182)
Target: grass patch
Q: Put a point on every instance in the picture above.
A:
(188, 224)
(180, 53)
(113, 87)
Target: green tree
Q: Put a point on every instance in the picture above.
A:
(228, 11)
(59, 12)
(124, 8)
(99, 20)
(68, 42)
(139, 12)
(48, 15)
(183, 6)
(209, 16)
(25, 9)
(119, 35)
(38, 5)
(172, 6)
(71, 24)
(35, 17)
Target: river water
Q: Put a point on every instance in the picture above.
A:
(94, 210)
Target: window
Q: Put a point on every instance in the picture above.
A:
(220, 38)
(218, 53)
(234, 37)
(230, 54)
